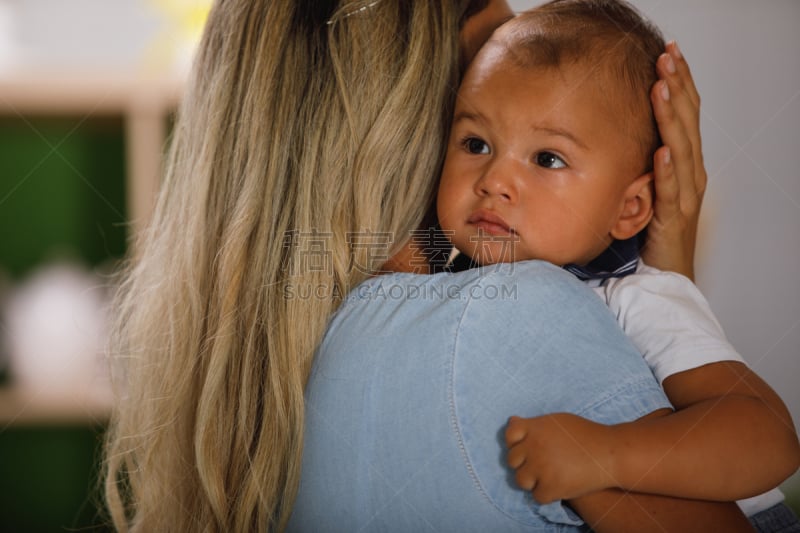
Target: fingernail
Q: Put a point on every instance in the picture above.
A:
(664, 91)
(676, 50)
(667, 156)
(670, 65)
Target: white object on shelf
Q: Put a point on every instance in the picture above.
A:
(56, 332)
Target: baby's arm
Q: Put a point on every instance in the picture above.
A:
(731, 433)
(617, 511)
(731, 436)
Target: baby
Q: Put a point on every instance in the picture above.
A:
(550, 158)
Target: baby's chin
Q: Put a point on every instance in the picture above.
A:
(487, 252)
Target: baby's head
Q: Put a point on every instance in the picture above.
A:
(552, 143)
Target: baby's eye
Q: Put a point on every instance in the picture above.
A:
(474, 145)
(549, 160)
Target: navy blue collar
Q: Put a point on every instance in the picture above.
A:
(618, 260)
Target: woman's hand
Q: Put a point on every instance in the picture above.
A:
(680, 176)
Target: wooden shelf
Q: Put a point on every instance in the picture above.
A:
(21, 406)
(29, 92)
(144, 101)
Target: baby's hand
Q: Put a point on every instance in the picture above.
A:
(559, 456)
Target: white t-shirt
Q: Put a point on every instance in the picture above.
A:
(670, 322)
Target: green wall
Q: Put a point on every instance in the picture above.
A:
(62, 191)
(48, 479)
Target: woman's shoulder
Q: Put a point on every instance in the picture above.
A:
(533, 278)
(498, 288)
(532, 274)
(526, 290)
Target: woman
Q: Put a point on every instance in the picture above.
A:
(305, 124)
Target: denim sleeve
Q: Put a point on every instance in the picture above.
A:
(548, 345)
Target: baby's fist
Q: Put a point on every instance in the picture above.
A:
(558, 456)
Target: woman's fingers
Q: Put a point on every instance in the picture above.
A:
(671, 233)
(680, 176)
(667, 204)
(685, 103)
(686, 107)
(683, 71)
(674, 134)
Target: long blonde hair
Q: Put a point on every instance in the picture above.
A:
(290, 126)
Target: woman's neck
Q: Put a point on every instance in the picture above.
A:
(411, 258)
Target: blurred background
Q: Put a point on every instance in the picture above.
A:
(87, 93)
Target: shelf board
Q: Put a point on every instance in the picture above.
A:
(80, 92)
(21, 406)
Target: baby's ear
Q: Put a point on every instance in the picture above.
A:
(637, 208)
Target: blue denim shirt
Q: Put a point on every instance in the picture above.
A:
(416, 377)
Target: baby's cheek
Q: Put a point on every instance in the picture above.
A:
(454, 233)
(449, 208)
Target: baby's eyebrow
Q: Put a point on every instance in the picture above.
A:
(560, 133)
(474, 116)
